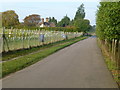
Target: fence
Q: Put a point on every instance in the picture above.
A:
(14, 39)
(112, 50)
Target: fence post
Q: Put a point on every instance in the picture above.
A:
(112, 49)
(36, 38)
(28, 39)
(2, 33)
(22, 39)
(3, 39)
(14, 37)
(39, 38)
(119, 61)
(115, 56)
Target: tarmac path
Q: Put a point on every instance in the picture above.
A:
(80, 65)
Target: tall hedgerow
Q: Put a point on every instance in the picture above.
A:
(108, 20)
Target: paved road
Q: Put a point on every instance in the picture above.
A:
(80, 65)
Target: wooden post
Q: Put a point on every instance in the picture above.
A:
(39, 38)
(114, 55)
(119, 60)
(22, 39)
(17, 37)
(2, 33)
(5, 40)
(29, 38)
(14, 38)
(112, 49)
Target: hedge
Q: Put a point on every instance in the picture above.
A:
(108, 20)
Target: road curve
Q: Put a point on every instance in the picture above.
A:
(80, 65)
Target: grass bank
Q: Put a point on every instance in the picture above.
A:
(21, 52)
(25, 61)
(110, 63)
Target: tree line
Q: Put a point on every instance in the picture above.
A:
(79, 23)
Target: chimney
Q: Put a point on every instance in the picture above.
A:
(42, 20)
(47, 19)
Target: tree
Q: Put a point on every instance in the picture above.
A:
(9, 19)
(93, 28)
(53, 20)
(79, 22)
(83, 25)
(80, 14)
(64, 22)
(32, 20)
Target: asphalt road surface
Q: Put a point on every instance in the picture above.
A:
(80, 65)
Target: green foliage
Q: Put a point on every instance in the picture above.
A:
(53, 20)
(64, 22)
(71, 23)
(92, 29)
(80, 14)
(108, 20)
(65, 29)
(9, 19)
(83, 25)
(79, 23)
(32, 20)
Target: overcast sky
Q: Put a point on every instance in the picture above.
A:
(50, 8)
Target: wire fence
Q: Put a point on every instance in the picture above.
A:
(15, 39)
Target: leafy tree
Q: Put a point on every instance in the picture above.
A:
(32, 20)
(71, 23)
(64, 22)
(93, 28)
(53, 20)
(80, 14)
(79, 22)
(83, 25)
(9, 19)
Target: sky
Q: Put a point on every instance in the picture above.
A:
(50, 8)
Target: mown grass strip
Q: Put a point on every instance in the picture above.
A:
(16, 53)
(18, 64)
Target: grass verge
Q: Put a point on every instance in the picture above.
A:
(20, 63)
(110, 63)
(16, 53)
(21, 52)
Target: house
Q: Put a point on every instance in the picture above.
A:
(47, 23)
